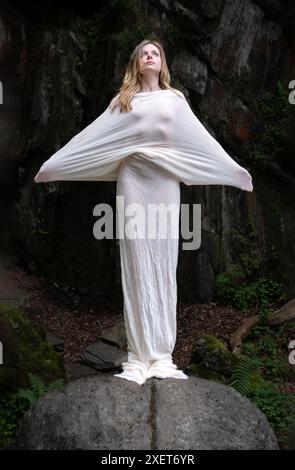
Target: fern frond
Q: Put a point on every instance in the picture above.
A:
(27, 394)
(242, 375)
(37, 386)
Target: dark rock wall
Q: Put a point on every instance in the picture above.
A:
(60, 65)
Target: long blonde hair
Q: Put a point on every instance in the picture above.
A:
(131, 82)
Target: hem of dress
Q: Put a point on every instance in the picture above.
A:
(138, 372)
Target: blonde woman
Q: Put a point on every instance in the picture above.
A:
(148, 140)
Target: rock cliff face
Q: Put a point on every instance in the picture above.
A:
(59, 69)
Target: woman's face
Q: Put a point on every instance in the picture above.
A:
(150, 53)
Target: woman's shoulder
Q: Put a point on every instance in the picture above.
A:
(113, 105)
(179, 93)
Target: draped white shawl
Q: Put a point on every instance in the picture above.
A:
(162, 128)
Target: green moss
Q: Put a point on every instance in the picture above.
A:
(214, 343)
(211, 359)
(277, 117)
(25, 350)
(201, 370)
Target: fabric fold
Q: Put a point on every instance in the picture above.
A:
(137, 371)
(148, 271)
(163, 129)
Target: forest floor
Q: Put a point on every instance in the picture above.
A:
(80, 324)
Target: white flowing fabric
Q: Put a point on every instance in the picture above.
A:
(148, 151)
(163, 128)
(148, 268)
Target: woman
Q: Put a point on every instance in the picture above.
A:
(148, 140)
(148, 266)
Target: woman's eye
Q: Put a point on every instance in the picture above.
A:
(154, 52)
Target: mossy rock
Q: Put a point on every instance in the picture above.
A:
(200, 370)
(25, 350)
(212, 360)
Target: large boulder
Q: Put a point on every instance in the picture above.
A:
(107, 412)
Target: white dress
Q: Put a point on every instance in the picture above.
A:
(148, 269)
(148, 151)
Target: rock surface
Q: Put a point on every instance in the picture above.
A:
(101, 355)
(105, 412)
